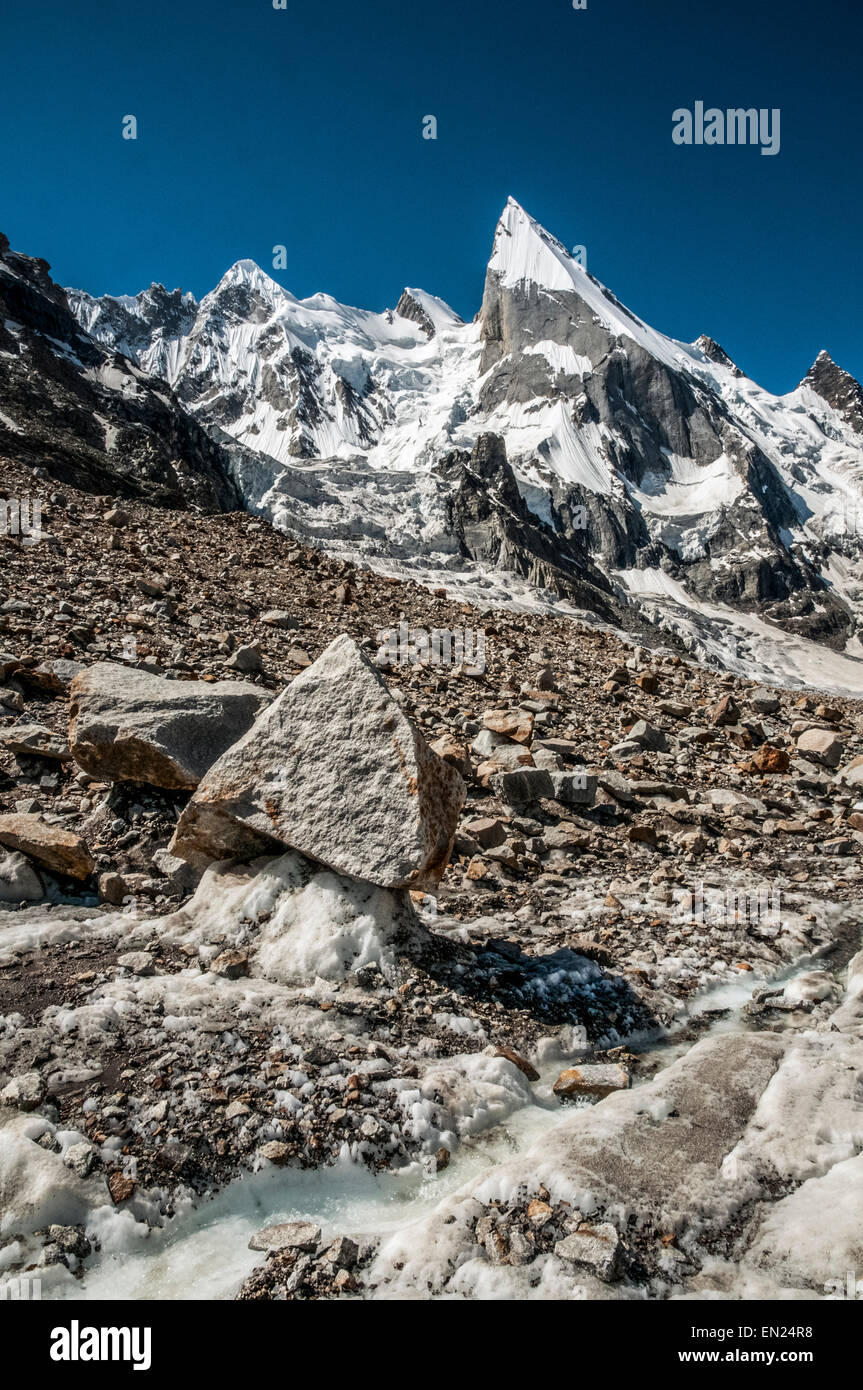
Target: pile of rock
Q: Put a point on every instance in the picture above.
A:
(301, 1266)
(516, 1233)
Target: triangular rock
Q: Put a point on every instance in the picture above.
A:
(334, 769)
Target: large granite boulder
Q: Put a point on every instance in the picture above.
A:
(132, 726)
(335, 770)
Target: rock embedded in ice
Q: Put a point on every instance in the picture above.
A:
(596, 1248)
(24, 1092)
(81, 1158)
(131, 726)
(137, 962)
(288, 1235)
(275, 1152)
(593, 1079)
(518, 1061)
(19, 881)
(60, 851)
(335, 770)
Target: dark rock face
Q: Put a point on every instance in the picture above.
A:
(711, 349)
(838, 388)
(85, 415)
(164, 313)
(649, 412)
(493, 524)
(408, 308)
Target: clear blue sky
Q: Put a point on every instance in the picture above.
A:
(303, 126)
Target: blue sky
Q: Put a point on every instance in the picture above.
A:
(302, 127)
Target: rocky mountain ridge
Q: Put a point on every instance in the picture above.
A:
(721, 515)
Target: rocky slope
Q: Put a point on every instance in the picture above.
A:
(84, 414)
(654, 863)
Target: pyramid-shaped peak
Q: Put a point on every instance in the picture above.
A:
(248, 274)
(524, 250)
(842, 392)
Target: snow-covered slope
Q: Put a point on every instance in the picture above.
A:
(648, 469)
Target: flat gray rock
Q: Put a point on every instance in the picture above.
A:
(288, 1235)
(132, 726)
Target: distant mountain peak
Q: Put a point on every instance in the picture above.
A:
(247, 274)
(842, 392)
(716, 353)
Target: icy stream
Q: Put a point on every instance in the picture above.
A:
(203, 1253)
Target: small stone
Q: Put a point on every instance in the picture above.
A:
(35, 740)
(596, 1248)
(19, 881)
(453, 753)
(231, 964)
(725, 711)
(642, 834)
(487, 831)
(277, 617)
(81, 1158)
(112, 889)
(520, 788)
(25, 1092)
(343, 1253)
(138, 962)
(246, 659)
(539, 1213)
(275, 1152)
(821, 745)
(764, 701)
(593, 1079)
(512, 724)
(120, 1188)
(768, 759)
(530, 1072)
(288, 1235)
(646, 736)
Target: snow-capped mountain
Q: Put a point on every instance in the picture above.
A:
(629, 473)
